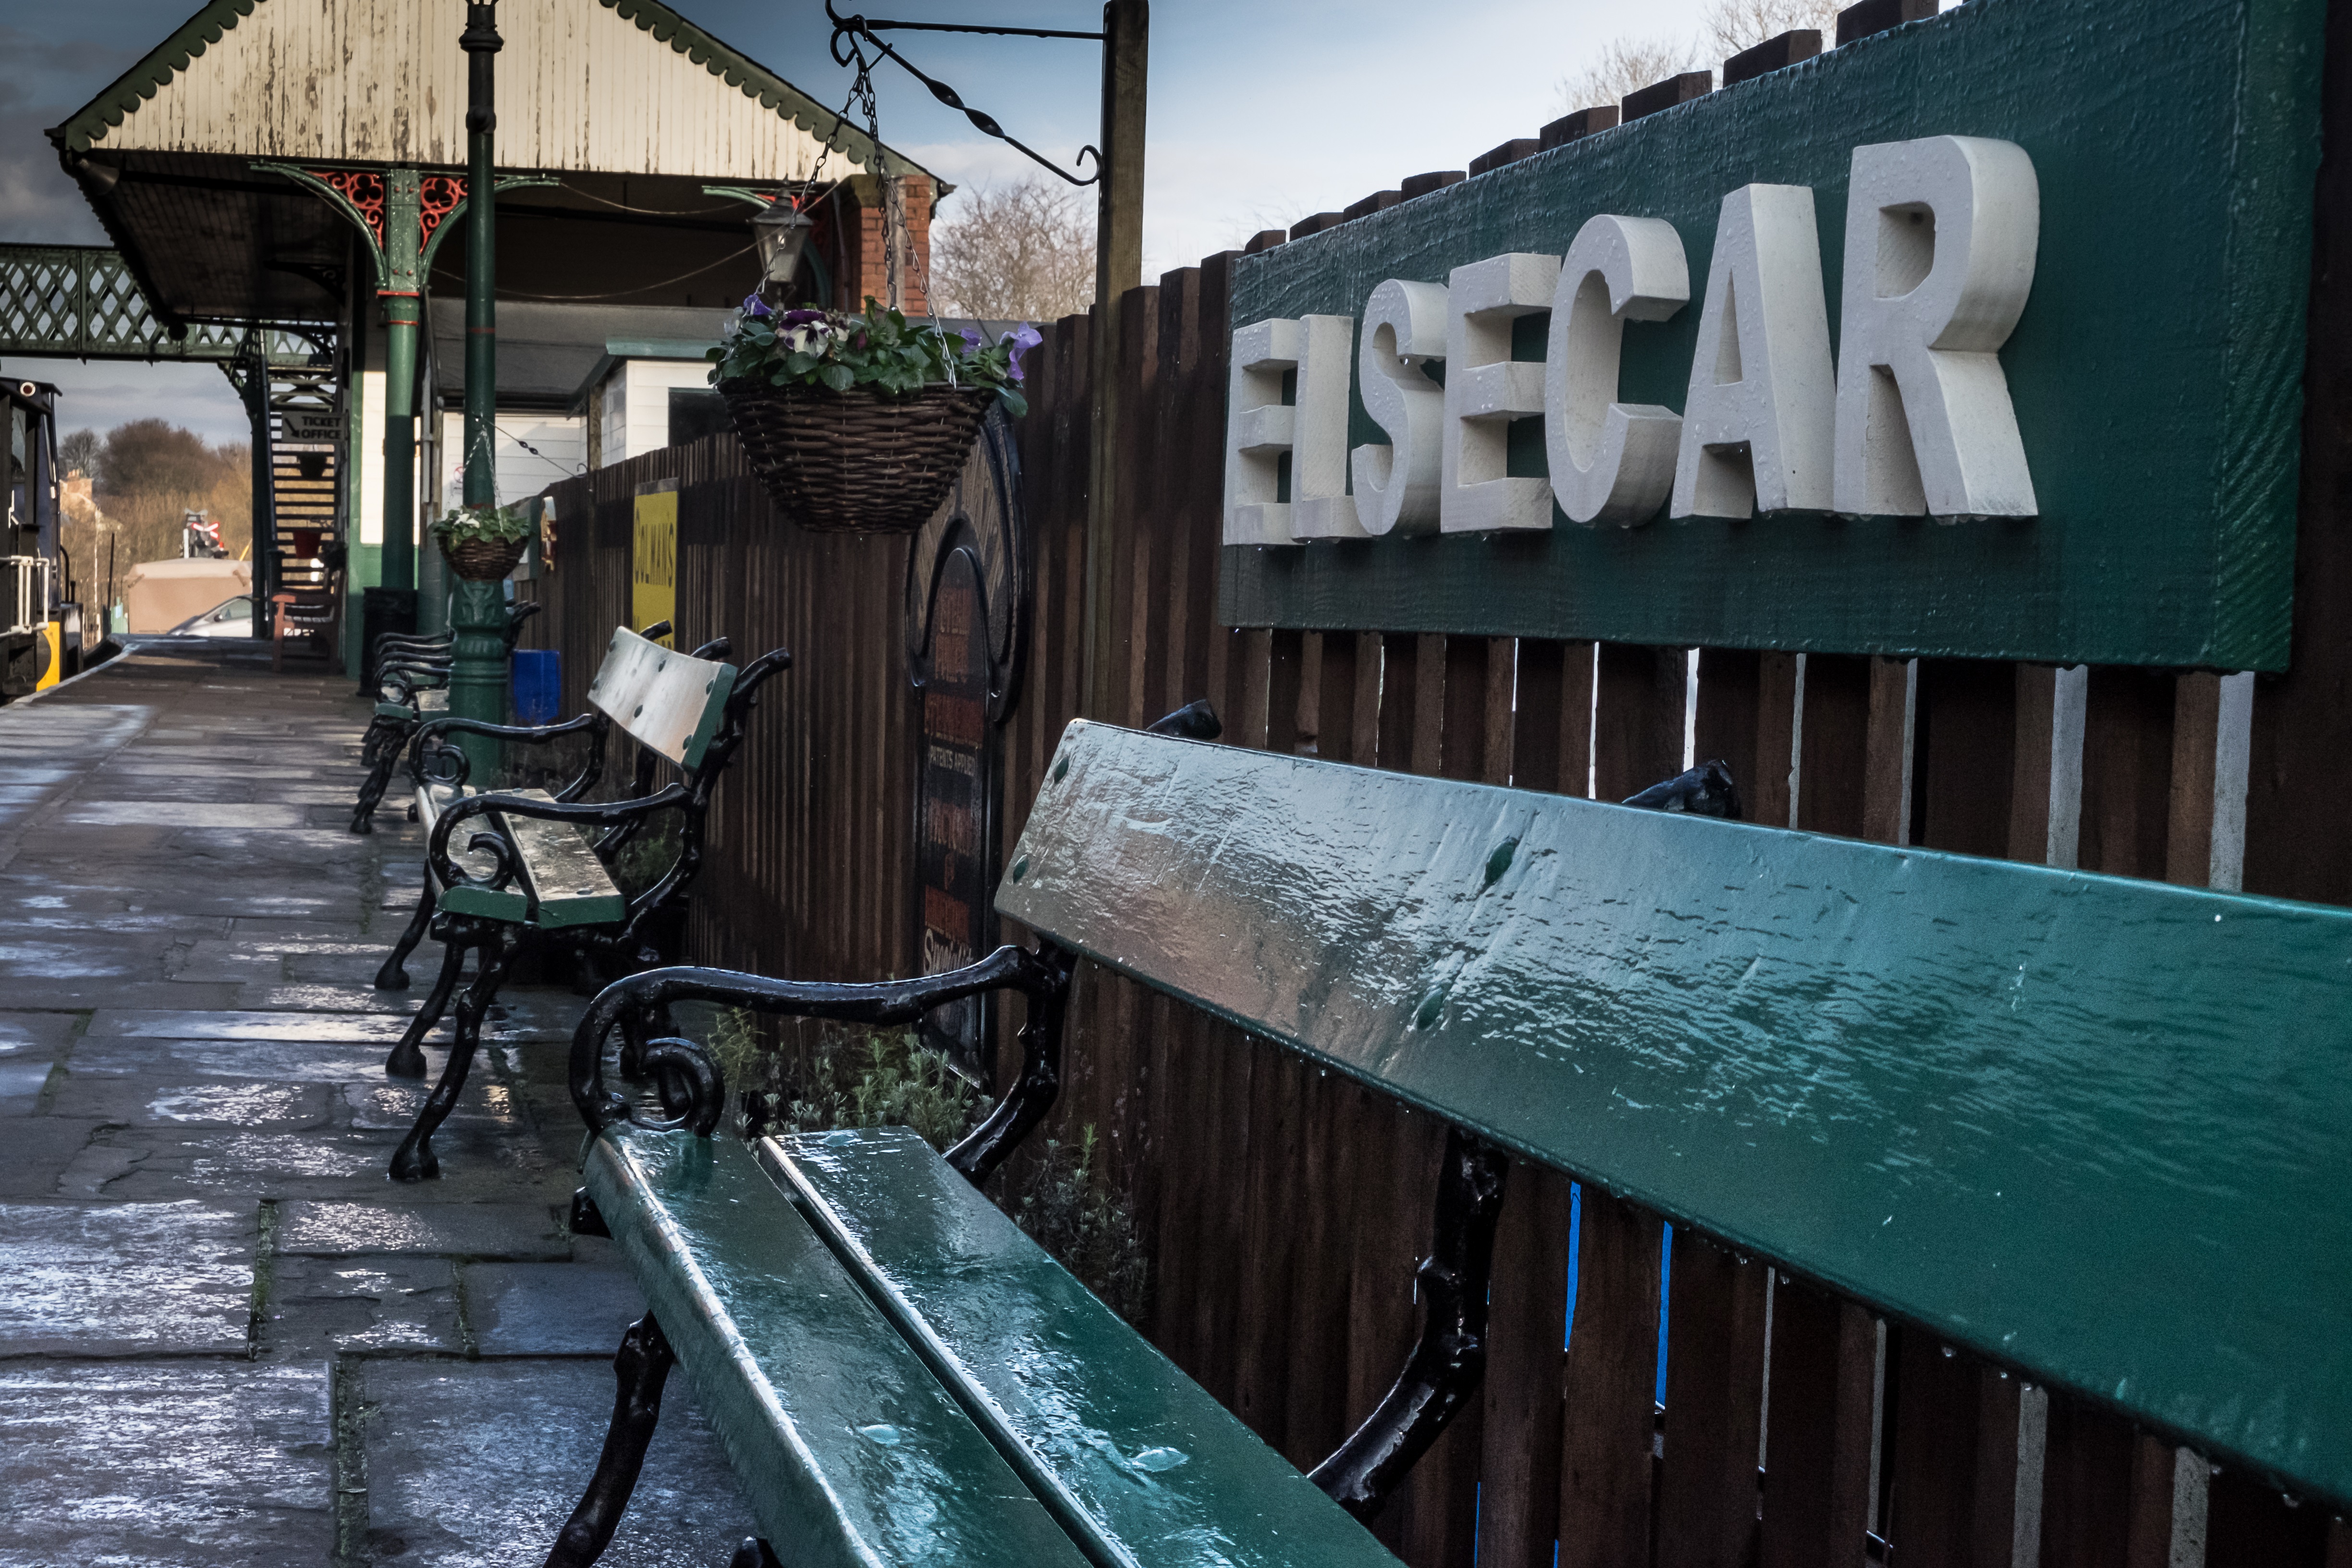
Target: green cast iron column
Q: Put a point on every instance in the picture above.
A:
(478, 668)
(402, 311)
(400, 320)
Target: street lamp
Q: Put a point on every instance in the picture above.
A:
(781, 233)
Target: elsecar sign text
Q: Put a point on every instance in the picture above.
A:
(1914, 418)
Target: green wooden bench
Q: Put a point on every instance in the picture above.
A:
(409, 679)
(504, 867)
(2093, 1130)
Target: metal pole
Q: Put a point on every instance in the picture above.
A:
(1118, 267)
(402, 312)
(478, 666)
(400, 315)
(265, 533)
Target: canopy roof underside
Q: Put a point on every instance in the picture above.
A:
(603, 94)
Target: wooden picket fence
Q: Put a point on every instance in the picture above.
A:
(1284, 1209)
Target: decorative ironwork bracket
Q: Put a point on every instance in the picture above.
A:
(403, 213)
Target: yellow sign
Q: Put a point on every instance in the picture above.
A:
(55, 643)
(653, 559)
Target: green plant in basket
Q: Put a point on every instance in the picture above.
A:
(878, 350)
(483, 525)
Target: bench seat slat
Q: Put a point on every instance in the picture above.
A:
(435, 700)
(849, 1450)
(2097, 1128)
(1161, 1468)
(572, 884)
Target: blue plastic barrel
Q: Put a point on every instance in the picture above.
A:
(538, 684)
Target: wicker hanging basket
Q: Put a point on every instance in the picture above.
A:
(482, 560)
(856, 461)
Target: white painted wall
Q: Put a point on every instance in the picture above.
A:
(563, 438)
(636, 404)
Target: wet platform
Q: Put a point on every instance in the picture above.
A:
(226, 1336)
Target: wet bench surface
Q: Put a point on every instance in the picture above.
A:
(2090, 1127)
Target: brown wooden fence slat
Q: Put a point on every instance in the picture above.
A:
(2248, 1523)
(1463, 729)
(1817, 1443)
(1954, 1456)
(1727, 726)
(1715, 1389)
(1612, 1364)
(1639, 716)
(1832, 767)
(1519, 1512)
(2126, 772)
(1317, 1416)
(1398, 683)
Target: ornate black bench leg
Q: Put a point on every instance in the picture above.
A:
(407, 1059)
(1442, 1374)
(394, 975)
(641, 1368)
(414, 1161)
(379, 771)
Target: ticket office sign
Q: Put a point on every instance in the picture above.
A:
(1982, 337)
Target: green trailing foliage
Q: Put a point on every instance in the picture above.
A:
(647, 857)
(1069, 1208)
(488, 524)
(822, 1076)
(877, 350)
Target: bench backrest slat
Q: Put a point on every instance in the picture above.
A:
(671, 701)
(2098, 1128)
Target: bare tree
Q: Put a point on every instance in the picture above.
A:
(1020, 252)
(1626, 66)
(79, 450)
(1733, 25)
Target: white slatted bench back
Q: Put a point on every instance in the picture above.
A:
(669, 702)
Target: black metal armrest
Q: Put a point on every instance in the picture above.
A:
(1043, 976)
(590, 814)
(432, 729)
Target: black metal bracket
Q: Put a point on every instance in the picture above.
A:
(852, 29)
(1442, 1374)
(693, 1085)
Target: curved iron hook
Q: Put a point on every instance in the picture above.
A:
(856, 28)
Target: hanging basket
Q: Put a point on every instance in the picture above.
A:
(856, 461)
(483, 560)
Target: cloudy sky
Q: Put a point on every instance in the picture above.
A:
(1262, 111)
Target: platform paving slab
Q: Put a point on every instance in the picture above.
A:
(117, 1280)
(581, 1307)
(480, 1463)
(332, 1229)
(320, 1307)
(164, 1464)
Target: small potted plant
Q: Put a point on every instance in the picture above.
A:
(483, 543)
(859, 423)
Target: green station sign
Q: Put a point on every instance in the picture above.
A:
(1981, 337)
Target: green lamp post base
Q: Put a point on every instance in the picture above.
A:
(479, 678)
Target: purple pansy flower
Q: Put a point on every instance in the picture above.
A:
(970, 336)
(1025, 337)
(755, 306)
(802, 318)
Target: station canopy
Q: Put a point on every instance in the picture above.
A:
(630, 111)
